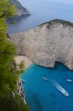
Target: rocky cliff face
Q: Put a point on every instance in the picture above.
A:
(47, 43)
(20, 9)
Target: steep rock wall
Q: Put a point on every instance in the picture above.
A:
(47, 43)
(20, 9)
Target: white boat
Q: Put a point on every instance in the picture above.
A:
(68, 80)
(45, 78)
(62, 90)
(28, 67)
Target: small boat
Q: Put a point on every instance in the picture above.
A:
(28, 67)
(23, 80)
(68, 80)
(45, 78)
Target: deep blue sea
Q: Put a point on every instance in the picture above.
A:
(41, 11)
(41, 95)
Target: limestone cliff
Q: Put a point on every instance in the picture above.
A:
(47, 43)
(20, 9)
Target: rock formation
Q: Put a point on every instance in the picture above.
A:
(20, 9)
(47, 43)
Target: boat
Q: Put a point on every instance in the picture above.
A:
(68, 80)
(23, 80)
(45, 78)
(28, 67)
(62, 90)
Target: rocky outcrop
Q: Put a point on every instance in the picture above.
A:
(47, 43)
(20, 9)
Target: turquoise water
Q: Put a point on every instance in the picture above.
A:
(41, 95)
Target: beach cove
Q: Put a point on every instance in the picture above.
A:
(43, 96)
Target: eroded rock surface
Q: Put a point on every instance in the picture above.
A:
(47, 43)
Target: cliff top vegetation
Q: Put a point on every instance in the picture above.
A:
(55, 21)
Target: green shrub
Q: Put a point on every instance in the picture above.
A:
(13, 22)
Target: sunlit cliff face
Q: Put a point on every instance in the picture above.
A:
(47, 43)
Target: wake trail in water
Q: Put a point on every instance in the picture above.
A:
(62, 90)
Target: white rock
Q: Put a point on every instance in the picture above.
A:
(47, 43)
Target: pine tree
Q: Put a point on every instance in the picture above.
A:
(8, 72)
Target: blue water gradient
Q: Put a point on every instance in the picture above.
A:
(41, 11)
(41, 95)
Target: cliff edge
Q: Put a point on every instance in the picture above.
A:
(48, 43)
(20, 9)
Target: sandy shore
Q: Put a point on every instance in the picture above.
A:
(19, 58)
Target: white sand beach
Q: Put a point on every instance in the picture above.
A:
(26, 60)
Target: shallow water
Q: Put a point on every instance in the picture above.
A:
(41, 95)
